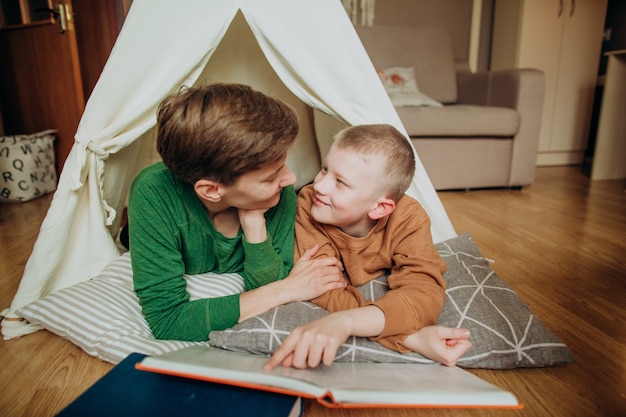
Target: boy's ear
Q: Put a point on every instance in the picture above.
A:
(209, 190)
(384, 207)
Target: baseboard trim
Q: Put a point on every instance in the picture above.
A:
(560, 158)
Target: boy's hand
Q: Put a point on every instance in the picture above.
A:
(318, 341)
(309, 345)
(439, 343)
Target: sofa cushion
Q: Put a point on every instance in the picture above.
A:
(427, 49)
(462, 163)
(460, 121)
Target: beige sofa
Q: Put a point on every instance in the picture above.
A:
(487, 131)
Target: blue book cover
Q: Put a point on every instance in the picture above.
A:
(125, 391)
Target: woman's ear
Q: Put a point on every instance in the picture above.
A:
(384, 207)
(209, 190)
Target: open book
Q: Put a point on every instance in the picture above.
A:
(348, 385)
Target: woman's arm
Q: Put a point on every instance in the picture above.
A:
(157, 223)
(308, 279)
(269, 259)
(416, 285)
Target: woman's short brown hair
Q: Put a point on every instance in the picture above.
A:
(222, 131)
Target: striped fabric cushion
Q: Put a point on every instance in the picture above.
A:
(103, 315)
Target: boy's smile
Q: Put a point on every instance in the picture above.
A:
(319, 202)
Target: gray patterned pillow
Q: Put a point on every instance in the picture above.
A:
(505, 334)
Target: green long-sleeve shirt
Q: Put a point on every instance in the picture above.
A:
(171, 235)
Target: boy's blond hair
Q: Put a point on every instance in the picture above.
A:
(222, 131)
(384, 140)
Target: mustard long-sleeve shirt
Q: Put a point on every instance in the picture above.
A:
(400, 245)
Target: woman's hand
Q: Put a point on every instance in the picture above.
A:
(308, 279)
(311, 278)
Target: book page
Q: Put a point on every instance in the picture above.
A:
(406, 383)
(218, 364)
(350, 383)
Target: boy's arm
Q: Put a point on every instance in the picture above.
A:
(318, 341)
(416, 284)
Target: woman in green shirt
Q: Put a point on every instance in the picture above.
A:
(221, 201)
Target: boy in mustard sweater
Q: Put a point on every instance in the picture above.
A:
(356, 211)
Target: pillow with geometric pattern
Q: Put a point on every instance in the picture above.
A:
(504, 333)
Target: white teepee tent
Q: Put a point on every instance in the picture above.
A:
(304, 52)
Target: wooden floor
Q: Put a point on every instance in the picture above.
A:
(560, 243)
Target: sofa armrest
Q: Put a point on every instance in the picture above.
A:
(519, 89)
(499, 88)
(473, 88)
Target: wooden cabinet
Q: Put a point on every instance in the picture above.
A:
(40, 72)
(51, 54)
(563, 38)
